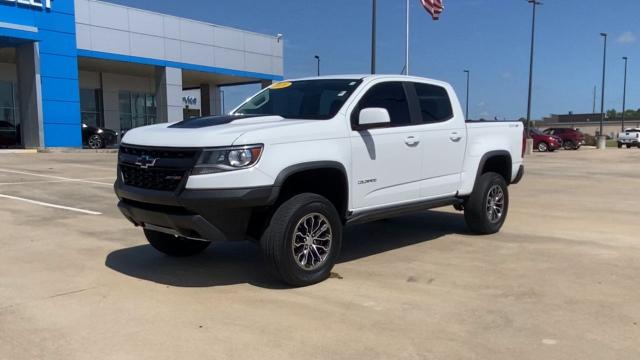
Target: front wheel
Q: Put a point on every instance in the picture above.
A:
(303, 239)
(173, 245)
(486, 209)
(543, 147)
(95, 142)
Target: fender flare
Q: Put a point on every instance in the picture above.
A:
(492, 154)
(312, 165)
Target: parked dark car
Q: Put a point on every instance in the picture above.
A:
(543, 142)
(9, 134)
(98, 138)
(572, 139)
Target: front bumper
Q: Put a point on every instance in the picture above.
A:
(213, 215)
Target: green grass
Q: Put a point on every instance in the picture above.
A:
(612, 143)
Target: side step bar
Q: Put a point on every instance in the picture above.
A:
(399, 210)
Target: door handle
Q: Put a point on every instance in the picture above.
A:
(455, 136)
(411, 141)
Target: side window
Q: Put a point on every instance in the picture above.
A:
(435, 105)
(388, 95)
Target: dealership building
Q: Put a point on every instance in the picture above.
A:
(65, 63)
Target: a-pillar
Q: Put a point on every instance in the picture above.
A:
(211, 100)
(169, 106)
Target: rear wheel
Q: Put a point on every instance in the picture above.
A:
(543, 147)
(486, 209)
(619, 145)
(303, 240)
(174, 245)
(569, 145)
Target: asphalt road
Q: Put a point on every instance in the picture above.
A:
(561, 281)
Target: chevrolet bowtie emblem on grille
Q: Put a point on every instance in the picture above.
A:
(146, 161)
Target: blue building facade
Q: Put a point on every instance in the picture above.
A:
(51, 50)
(52, 29)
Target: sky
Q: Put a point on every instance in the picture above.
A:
(491, 38)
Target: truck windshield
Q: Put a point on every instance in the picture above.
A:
(305, 99)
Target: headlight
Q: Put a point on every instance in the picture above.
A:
(227, 159)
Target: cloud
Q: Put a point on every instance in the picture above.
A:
(626, 38)
(506, 75)
(482, 104)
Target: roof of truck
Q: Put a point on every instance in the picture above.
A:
(370, 77)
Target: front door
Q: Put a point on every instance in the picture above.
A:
(386, 162)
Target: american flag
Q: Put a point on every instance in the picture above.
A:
(434, 7)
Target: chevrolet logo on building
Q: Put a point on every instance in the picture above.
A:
(146, 161)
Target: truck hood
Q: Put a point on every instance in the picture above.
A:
(206, 131)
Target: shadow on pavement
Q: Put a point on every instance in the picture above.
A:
(240, 262)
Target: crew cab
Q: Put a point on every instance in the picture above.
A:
(292, 165)
(629, 138)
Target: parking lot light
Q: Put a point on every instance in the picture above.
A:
(602, 142)
(624, 90)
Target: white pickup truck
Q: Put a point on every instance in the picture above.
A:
(629, 138)
(299, 160)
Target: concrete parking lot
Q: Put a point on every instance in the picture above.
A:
(561, 281)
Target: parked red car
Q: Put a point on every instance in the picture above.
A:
(543, 142)
(572, 139)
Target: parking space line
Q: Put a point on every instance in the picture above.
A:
(35, 202)
(54, 177)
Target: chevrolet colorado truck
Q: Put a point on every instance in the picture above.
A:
(292, 165)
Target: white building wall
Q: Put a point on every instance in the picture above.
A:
(121, 30)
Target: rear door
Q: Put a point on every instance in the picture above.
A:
(387, 161)
(443, 139)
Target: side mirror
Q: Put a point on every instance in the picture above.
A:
(373, 117)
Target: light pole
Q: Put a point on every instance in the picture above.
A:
(624, 91)
(601, 138)
(535, 4)
(373, 36)
(318, 58)
(466, 114)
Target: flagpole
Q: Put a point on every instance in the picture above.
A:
(406, 64)
(373, 36)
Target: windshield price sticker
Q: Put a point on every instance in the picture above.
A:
(281, 85)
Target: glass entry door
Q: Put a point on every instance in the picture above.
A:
(9, 118)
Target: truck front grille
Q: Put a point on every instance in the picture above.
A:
(152, 179)
(155, 168)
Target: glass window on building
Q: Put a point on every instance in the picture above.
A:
(136, 109)
(9, 118)
(91, 107)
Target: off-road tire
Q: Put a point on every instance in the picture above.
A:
(476, 214)
(277, 241)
